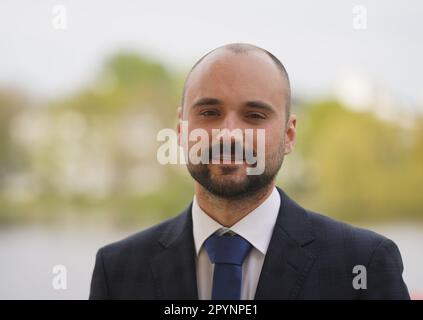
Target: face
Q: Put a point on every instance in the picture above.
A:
(238, 92)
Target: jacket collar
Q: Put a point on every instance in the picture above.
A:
(288, 259)
(287, 262)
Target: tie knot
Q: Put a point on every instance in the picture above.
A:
(229, 249)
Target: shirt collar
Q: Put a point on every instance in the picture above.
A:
(256, 227)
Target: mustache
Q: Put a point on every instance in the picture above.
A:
(234, 151)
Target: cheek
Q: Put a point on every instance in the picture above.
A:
(274, 137)
(199, 137)
(196, 123)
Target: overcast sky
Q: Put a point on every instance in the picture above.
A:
(317, 44)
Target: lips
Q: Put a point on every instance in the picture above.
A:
(228, 158)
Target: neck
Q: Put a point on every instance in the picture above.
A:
(227, 212)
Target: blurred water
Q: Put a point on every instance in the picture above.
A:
(28, 254)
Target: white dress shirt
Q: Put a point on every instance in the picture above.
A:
(256, 227)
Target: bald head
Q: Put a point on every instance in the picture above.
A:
(242, 92)
(243, 49)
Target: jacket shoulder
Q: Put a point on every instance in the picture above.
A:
(144, 242)
(355, 244)
(331, 229)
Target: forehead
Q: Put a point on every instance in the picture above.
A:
(233, 77)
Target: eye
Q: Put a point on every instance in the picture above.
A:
(256, 115)
(209, 113)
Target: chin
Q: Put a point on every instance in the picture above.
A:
(229, 179)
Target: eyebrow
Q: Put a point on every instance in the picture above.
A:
(206, 102)
(257, 104)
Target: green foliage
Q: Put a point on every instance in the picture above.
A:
(357, 166)
(92, 155)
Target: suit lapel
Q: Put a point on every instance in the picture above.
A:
(286, 265)
(288, 260)
(174, 268)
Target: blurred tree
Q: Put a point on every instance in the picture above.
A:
(94, 152)
(357, 166)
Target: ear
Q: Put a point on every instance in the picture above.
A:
(178, 126)
(290, 134)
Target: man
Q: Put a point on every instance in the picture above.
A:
(242, 237)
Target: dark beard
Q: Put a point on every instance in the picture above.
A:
(252, 184)
(234, 191)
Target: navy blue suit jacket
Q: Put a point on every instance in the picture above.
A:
(310, 256)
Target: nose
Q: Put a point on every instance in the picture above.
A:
(231, 122)
(230, 129)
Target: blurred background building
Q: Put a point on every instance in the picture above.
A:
(85, 88)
